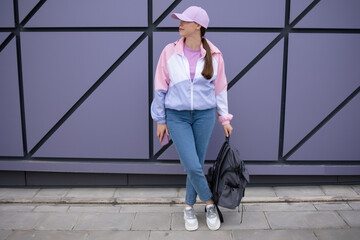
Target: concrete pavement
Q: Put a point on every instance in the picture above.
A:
(296, 212)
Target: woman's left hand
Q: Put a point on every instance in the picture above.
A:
(228, 129)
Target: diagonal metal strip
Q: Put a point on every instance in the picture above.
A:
(166, 12)
(20, 79)
(283, 33)
(16, 31)
(19, 65)
(283, 85)
(32, 12)
(322, 123)
(88, 92)
(163, 149)
(16, 34)
(6, 41)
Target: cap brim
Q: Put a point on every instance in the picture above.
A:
(180, 16)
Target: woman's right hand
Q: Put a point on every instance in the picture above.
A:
(161, 128)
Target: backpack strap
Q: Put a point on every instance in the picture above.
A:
(220, 214)
(226, 150)
(213, 181)
(242, 211)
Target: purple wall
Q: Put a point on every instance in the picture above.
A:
(325, 69)
(283, 105)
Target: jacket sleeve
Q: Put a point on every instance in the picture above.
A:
(221, 92)
(161, 85)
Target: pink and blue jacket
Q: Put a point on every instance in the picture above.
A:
(175, 90)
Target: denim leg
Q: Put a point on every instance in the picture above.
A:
(203, 125)
(179, 124)
(191, 194)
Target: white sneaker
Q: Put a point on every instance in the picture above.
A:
(212, 218)
(191, 222)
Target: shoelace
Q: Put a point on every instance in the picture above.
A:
(190, 213)
(210, 212)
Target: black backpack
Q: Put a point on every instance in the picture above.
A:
(227, 178)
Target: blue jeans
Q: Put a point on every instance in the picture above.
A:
(191, 132)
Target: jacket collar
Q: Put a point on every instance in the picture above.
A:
(179, 47)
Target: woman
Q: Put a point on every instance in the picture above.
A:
(190, 86)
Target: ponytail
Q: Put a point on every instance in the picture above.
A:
(208, 70)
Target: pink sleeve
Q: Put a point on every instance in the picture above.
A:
(221, 92)
(161, 80)
(225, 119)
(161, 85)
(220, 81)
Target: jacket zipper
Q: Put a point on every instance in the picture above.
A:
(192, 94)
(191, 83)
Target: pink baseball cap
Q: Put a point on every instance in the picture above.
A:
(193, 14)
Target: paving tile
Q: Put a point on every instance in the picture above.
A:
(100, 208)
(146, 192)
(194, 235)
(279, 207)
(52, 193)
(151, 221)
(251, 220)
(354, 205)
(12, 207)
(351, 217)
(299, 191)
(339, 190)
(260, 192)
(304, 220)
(105, 221)
(57, 221)
(274, 235)
(90, 193)
(46, 235)
(19, 220)
(4, 234)
(336, 234)
(152, 208)
(17, 193)
(356, 188)
(111, 235)
(177, 221)
(181, 192)
(51, 208)
(332, 206)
